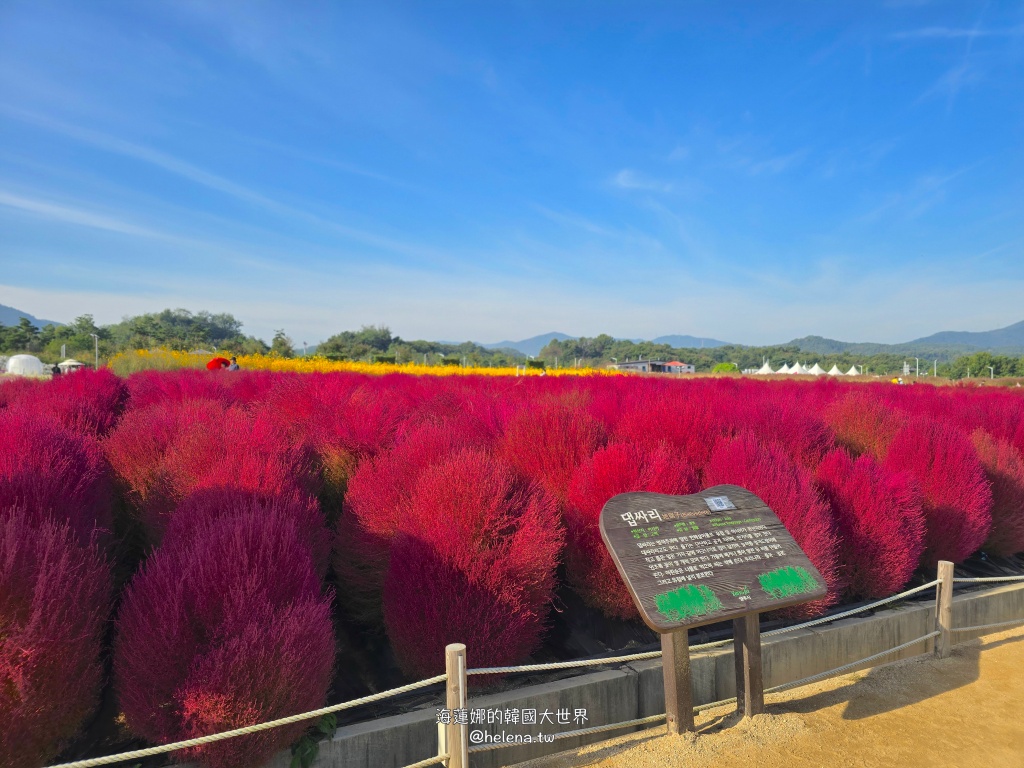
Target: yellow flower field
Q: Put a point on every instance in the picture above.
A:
(125, 363)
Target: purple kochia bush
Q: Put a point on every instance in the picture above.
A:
(226, 629)
(55, 599)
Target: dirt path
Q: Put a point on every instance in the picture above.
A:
(967, 710)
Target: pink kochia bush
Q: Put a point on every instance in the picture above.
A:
(55, 598)
(222, 630)
(767, 472)
(616, 468)
(957, 496)
(54, 473)
(880, 520)
(474, 562)
(88, 402)
(1004, 467)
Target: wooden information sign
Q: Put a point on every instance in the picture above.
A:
(712, 556)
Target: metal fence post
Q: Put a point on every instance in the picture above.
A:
(944, 610)
(457, 741)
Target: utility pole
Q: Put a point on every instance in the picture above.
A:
(96, 367)
(917, 367)
(935, 370)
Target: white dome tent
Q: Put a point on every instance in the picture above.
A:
(26, 365)
(817, 370)
(835, 371)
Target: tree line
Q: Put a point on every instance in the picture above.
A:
(179, 329)
(603, 349)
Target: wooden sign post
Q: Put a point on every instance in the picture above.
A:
(712, 556)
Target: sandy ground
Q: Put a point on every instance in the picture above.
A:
(967, 710)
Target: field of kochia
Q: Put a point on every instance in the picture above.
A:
(190, 540)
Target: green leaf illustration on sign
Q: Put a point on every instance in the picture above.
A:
(685, 602)
(786, 582)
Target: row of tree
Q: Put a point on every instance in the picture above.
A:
(180, 329)
(604, 349)
(176, 329)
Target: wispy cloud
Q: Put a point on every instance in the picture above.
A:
(639, 181)
(955, 33)
(218, 183)
(630, 179)
(778, 164)
(925, 193)
(85, 218)
(679, 153)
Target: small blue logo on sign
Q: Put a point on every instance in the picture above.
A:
(719, 503)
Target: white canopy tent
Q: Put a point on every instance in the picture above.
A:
(835, 371)
(764, 370)
(853, 371)
(70, 365)
(817, 370)
(799, 369)
(784, 368)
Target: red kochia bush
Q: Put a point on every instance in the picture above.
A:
(54, 473)
(225, 630)
(774, 414)
(474, 563)
(688, 420)
(617, 468)
(55, 597)
(767, 472)
(166, 452)
(152, 387)
(863, 423)
(957, 497)
(84, 401)
(547, 440)
(880, 521)
(377, 504)
(1004, 467)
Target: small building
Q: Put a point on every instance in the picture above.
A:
(653, 366)
(676, 367)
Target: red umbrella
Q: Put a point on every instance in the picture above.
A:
(217, 363)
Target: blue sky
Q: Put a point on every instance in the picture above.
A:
(747, 171)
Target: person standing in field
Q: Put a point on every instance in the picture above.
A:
(234, 364)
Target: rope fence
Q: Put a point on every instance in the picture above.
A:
(455, 755)
(200, 740)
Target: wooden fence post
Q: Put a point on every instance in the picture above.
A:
(746, 632)
(457, 739)
(675, 661)
(944, 610)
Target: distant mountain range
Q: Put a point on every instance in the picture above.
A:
(535, 344)
(691, 342)
(12, 316)
(531, 346)
(1003, 341)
